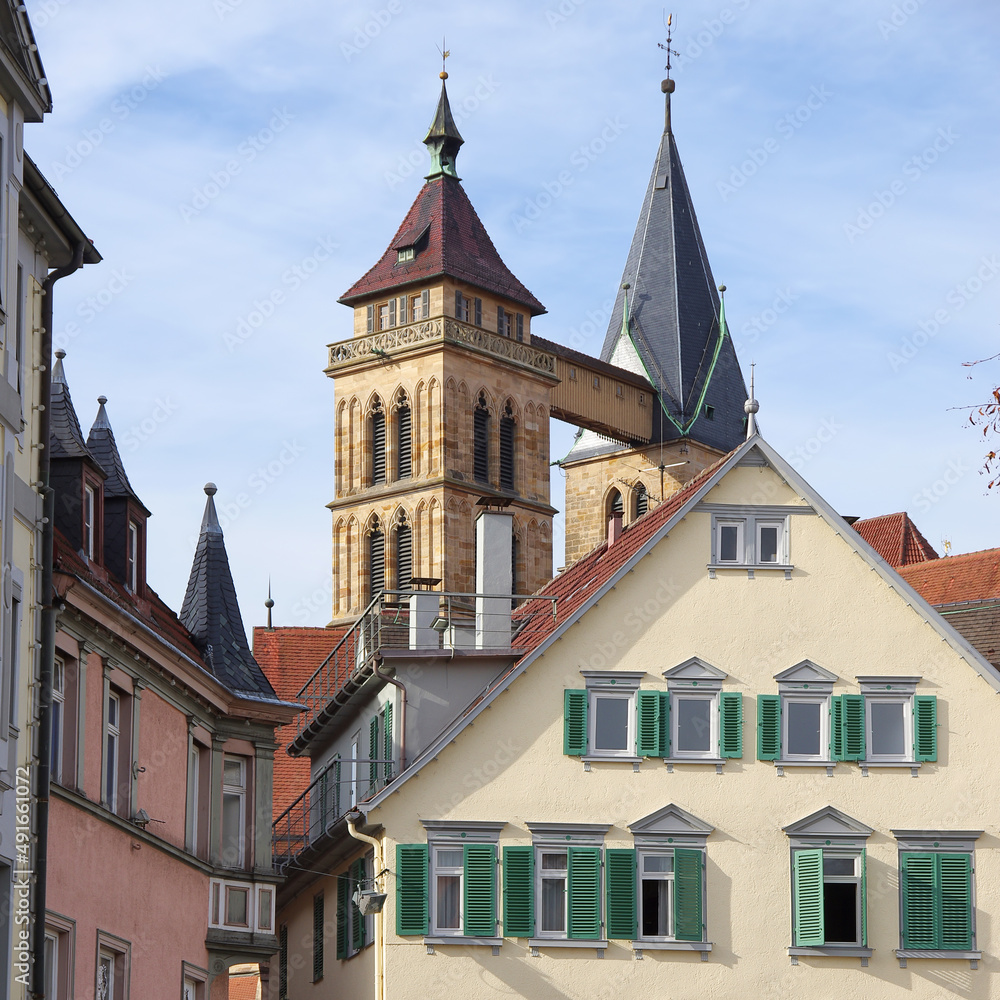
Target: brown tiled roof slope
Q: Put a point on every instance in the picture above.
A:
(289, 656)
(979, 622)
(896, 539)
(973, 576)
(244, 986)
(572, 588)
(450, 240)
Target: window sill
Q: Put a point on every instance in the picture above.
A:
(780, 765)
(751, 568)
(716, 762)
(591, 759)
(831, 951)
(536, 943)
(640, 946)
(972, 957)
(465, 942)
(866, 765)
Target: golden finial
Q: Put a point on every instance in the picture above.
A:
(444, 55)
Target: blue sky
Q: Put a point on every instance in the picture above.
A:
(240, 164)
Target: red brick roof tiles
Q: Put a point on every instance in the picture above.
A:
(289, 657)
(244, 987)
(896, 539)
(449, 239)
(974, 576)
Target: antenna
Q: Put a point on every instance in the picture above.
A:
(750, 407)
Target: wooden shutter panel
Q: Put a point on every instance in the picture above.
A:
(404, 443)
(575, 723)
(520, 326)
(925, 727)
(404, 557)
(378, 447)
(357, 918)
(376, 562)
(458, 305)
(481, 445)
(921, 919)
(730, 724)
(854, 726)
(283, 963)
(371, 319)
(807, 887)
(425, 303)
(836, 728)
(955, 881)
(480, 891)
(688, 919)
(392, 312)
(343, 935)
(373, 753)
(507, 454)
(411, 889)
(479, 312)
(318, 921)
(620, 893)
(768, 727)
(402, 309)
(664, 723)
(501, 326)
(387, 739)
(648, 724)
(519, 892)
(584, 886)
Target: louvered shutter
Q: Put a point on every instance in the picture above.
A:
(376, 562)
(392, 312)
(481, 445)
(387, 739)
(836, 728)
(518, 892)
(807, 874)
(283, 963)
(404, 557)
(688, 919)
(357, 917)
(318, 921)
(480, 891)
(730, 724)
(617, 504)
(371, 319)
(479, 312)
(854, 726)
(664, 723)
(402, 310)
(520, 326)
(343, 927)
(425, 303)
(921, 916)
(768, 727)
(501, 324)
(620, 893)
(378, 447)
(458, 305)
(373, 753)
(955, 881)
(648, 724)
(641, 501)
(404, 443)
(925, 727)
(507, 454)
(575, 722)
(584, 904)
(411, 889)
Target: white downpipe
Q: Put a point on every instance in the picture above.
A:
(379, 935)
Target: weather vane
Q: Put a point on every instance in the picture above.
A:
(444, 56)
(666, 48)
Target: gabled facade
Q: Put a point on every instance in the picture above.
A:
(739, 755)
(162, 745)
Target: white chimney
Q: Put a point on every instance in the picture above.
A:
(494, 530)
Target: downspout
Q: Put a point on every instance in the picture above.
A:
(402, 709)
(352, 818)
(47, 648)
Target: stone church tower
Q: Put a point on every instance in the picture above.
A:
(442, 402)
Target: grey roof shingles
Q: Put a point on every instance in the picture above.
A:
(65, 436)
(102, 445)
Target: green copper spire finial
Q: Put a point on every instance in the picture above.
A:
(443, 138)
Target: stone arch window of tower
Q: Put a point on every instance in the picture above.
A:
(616, 505)
(507, 441)
(404, 552)
(376, 557)
(377, 442)
(481, 440)
(404, 441)
(641, 500)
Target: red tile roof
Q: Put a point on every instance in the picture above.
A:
(896, 539)
(289, 657)
(243, 987)
(974, 576)
(450, 240)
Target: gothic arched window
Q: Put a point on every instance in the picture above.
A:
(404, 554)
(376, 558)
(615, 504)
(481, 441)
(404, 446)
(507, 449)
(378, 442)
(641, 500)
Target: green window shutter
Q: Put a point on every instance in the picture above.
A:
(730, 724)
(387, 738)
(955, 881)
(584, 878)
(373, 753)
(575, 723)
(411, 889)
(342, 903)
(847, 727)
(620, 893)
(864, 898)
(519, 892)
(688, 918)
(648, 727)
(318, 921)
(807, 874)
(921, 922)
(664, 723)
(357, 918)
(480, 890)
(836, 727)
(768, 727)
(925, 727)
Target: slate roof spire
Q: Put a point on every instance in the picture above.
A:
(673, 331)
(211, 613)
(443, 138)
(102, 445)
(65, 438)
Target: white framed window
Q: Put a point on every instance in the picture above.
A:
(746, 537)
(89, 520)
(407, 253)
(729, 541)
(612, 723)
(656, 895)
(888, 728)
(770, 542)
(551, 876)
(113, 959)
(805, 722)
(694, 723)
(132, 557)
(234, 811)
(60, 935)
(241, 906)
(112, 751)
(795, 726)
(448, 865)
(58, 717)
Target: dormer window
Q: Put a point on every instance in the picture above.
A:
(89, 520)
(132, 557)
(407, 253)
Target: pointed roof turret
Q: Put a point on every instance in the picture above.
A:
(102, 445)
(211, 613)
(443, 138)
(65, 438)
(667, 323)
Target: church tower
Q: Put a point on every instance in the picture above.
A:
(668, 325)
(442, 403)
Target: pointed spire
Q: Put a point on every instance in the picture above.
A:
(269, 603)
(58, 374)
(750, 407)
(65, 436)
(443, 138)
(102, 445)
(211, 612)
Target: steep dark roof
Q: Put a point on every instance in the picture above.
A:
(102, 445)
(673, 318)
(896, 539)
(65, 436)
(211, 612)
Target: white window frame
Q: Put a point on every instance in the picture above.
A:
(132, 557)
(780, 559)
(540, 851)
(641, 854)
(907, 756)
(240, 793)
(749, 523)
(855, 879)
(741, 549)
(823, 700)
(58, 717)
(89, 520)
(448, 871)
(619, 685)
(712, 698)
(117, 954)
(112, 740)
